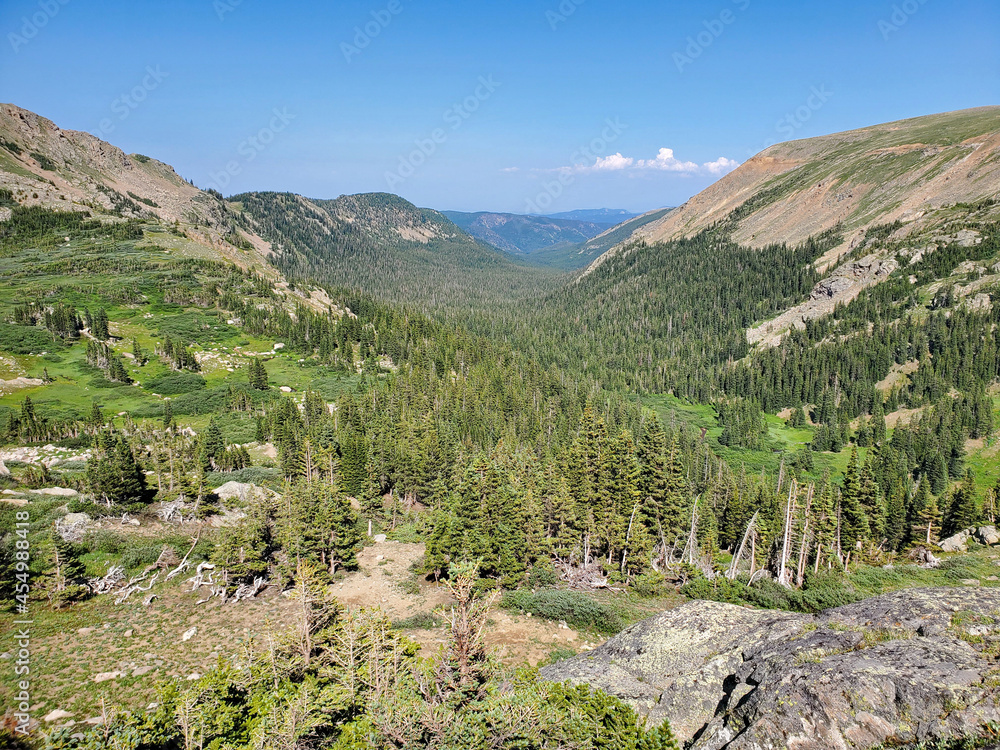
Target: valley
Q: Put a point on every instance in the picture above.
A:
(317, 472)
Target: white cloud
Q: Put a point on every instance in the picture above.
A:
(511, 169)
(722, 165)
(665, 161)
(613, 163)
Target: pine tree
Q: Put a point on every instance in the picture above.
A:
(895, 517)
(168, 416)
(99, 327)
(963, 511)
(96, 418)
(212, 446)
(115, 476)
(257, 375)
(853, 521)
(66, 573)
(878, 421)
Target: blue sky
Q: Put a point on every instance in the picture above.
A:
(514, 106)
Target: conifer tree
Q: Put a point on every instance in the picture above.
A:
(96, 418)
(66, 573)
(895, 517)
(853, 521)
(963, 510)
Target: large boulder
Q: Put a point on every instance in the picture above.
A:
(956, 543)
(987, 535)
(899, 668)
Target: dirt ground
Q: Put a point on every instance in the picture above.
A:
(100, 654)
(386, 569)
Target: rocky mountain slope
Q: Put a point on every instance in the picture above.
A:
(899, 668)
(610, 217)
(891, 194)
(68, 170)
(906, 170)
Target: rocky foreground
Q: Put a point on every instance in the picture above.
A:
(902, 667)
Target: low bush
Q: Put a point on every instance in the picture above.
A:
(175, 383)
(573, 607)
(258, 475)
(105, 541)
(649, 584)
(420, 621)
(139, 556)
(27, 340)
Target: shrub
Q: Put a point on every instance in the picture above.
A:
(542, 575)
(419, 621)
(94, 510)
(649, 584)
(104, 541)
(258, 475)
(573, 607)
(27, 340)
(137, 557)
(175, 383)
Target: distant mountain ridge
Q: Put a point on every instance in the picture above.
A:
(522, 234)
(381, 244)
(608, 216)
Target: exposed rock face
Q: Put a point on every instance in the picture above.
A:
(901, 667)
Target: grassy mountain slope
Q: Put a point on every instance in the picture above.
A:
(906, 170)
(384, 245)
(66, 170)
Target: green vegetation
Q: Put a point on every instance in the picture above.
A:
(617, 433)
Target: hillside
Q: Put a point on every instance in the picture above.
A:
(905, 171)
(515, 233)
(68, 170)
(383, 245)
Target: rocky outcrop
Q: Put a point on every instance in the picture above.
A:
(899, 668)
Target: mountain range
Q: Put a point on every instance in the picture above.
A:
(782, 394)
